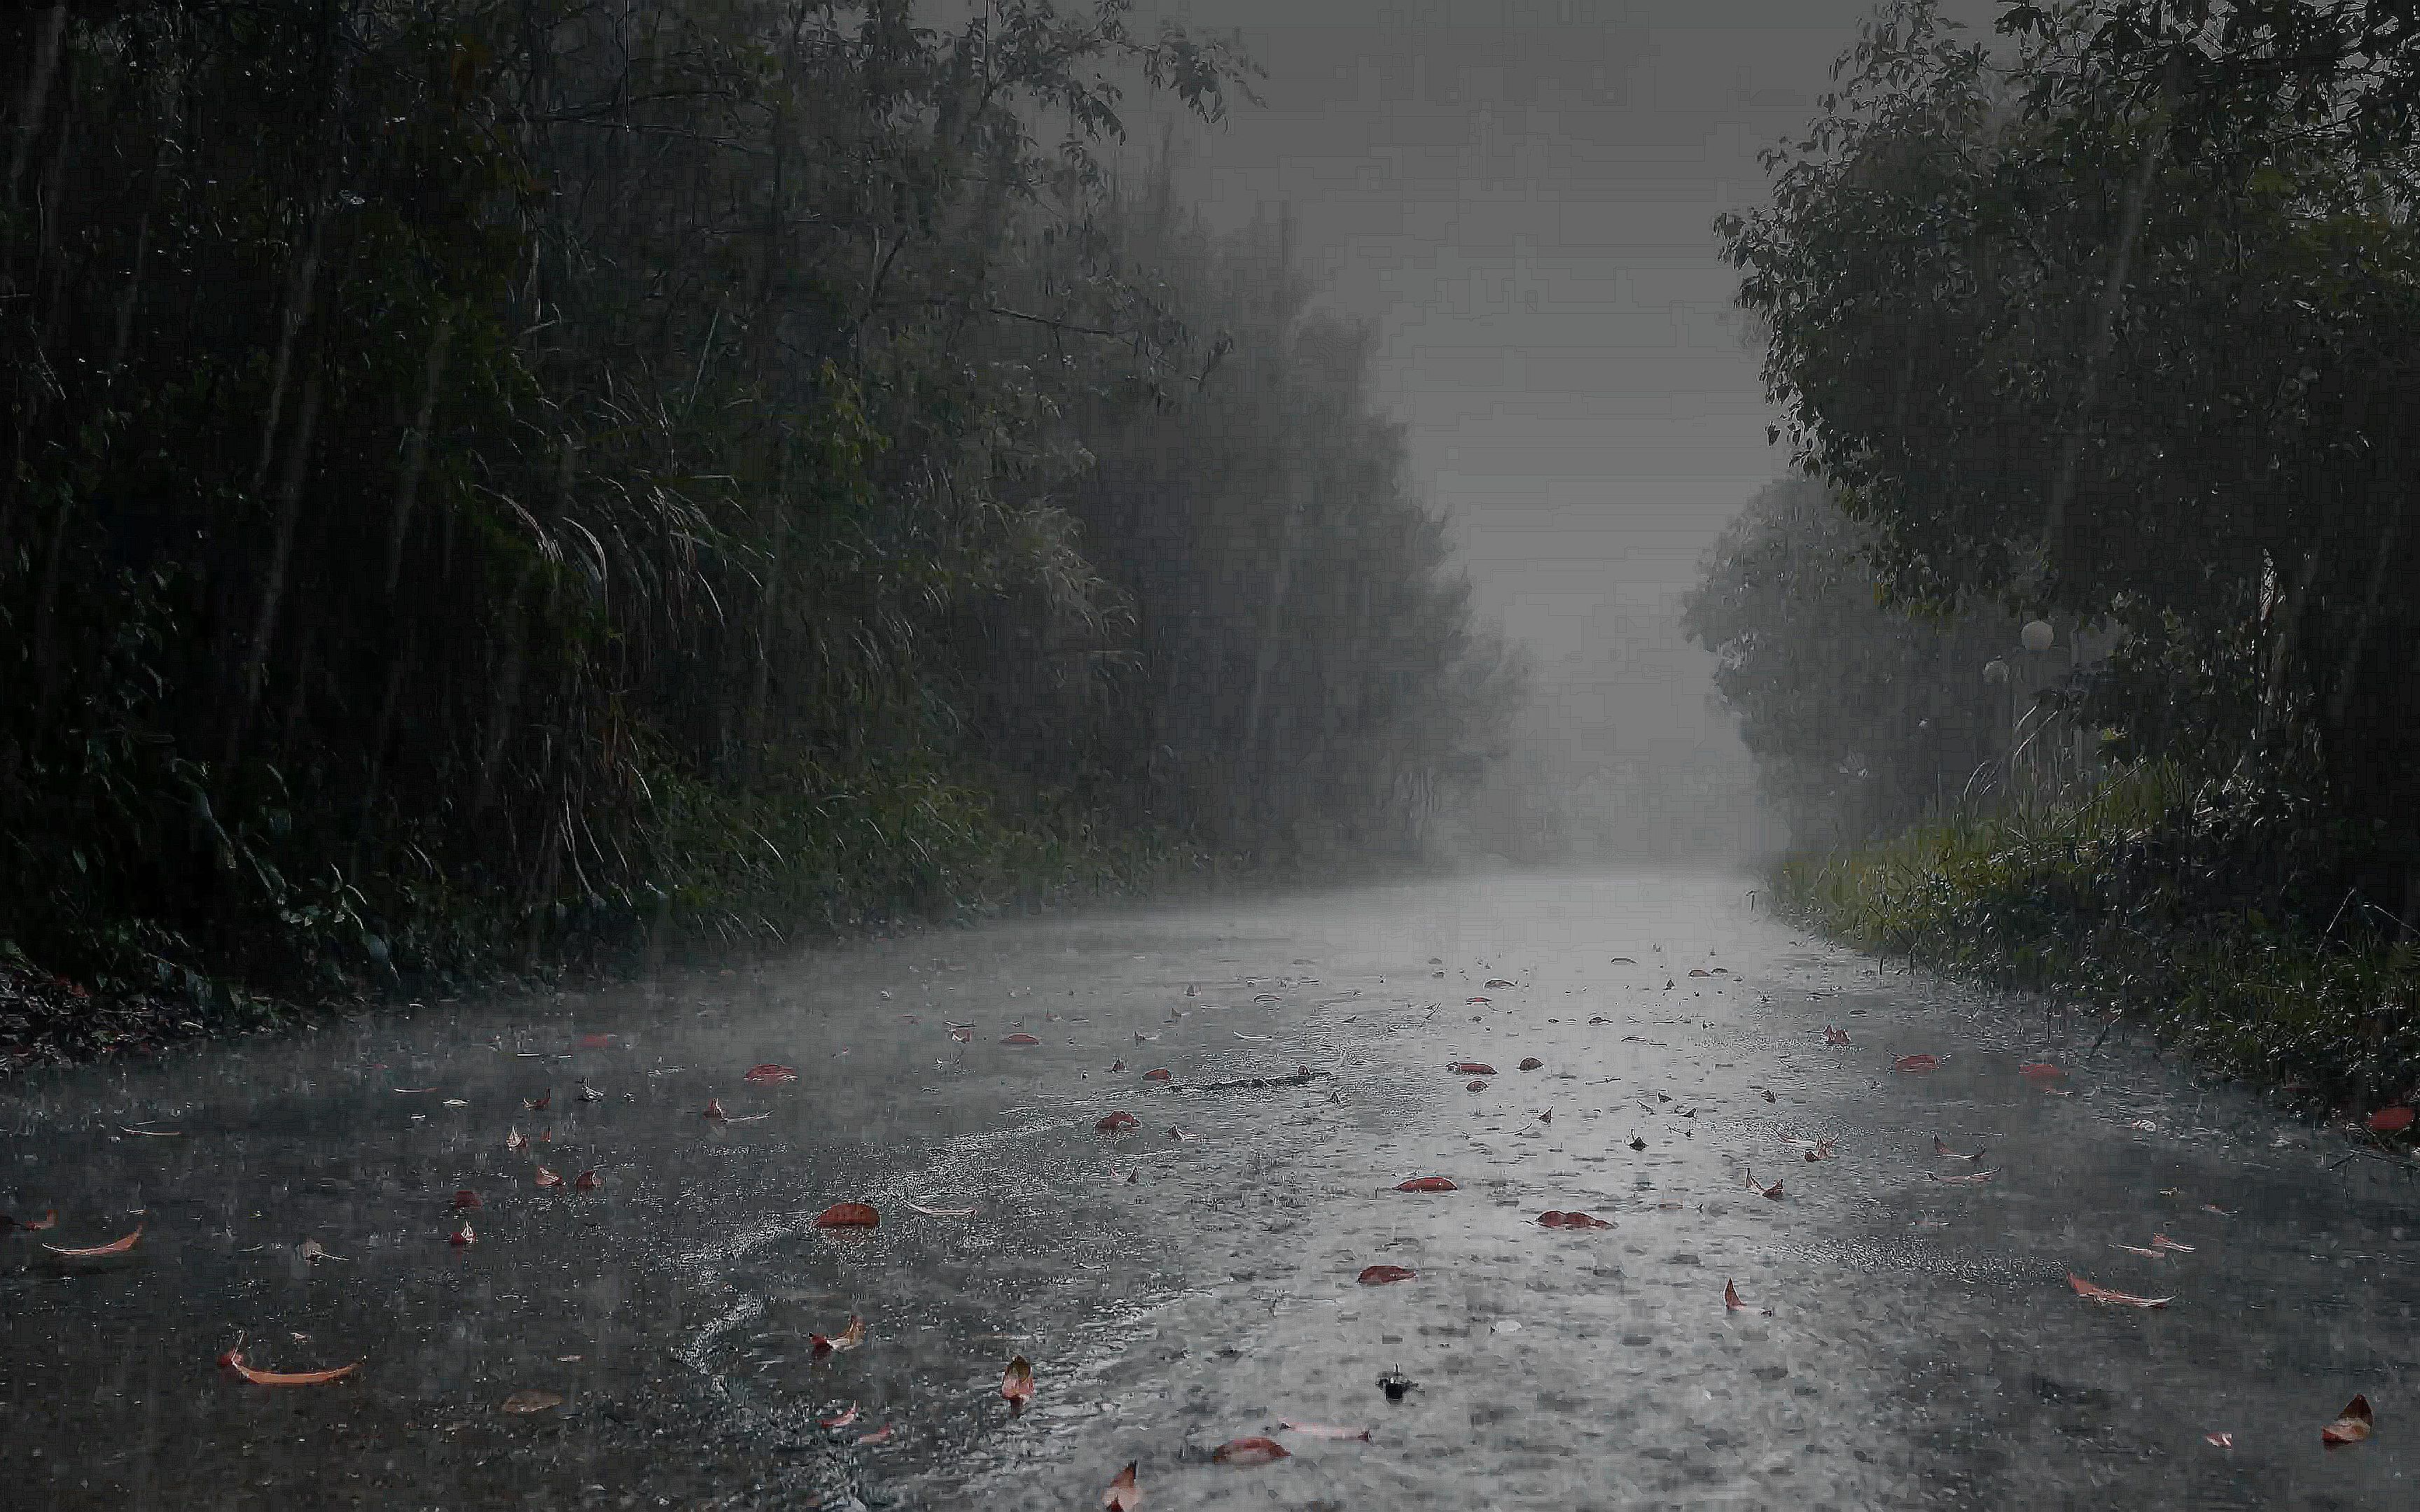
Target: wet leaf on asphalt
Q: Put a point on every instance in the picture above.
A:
(1472, 1068)
(1820, 1150)
(233, 1360)
(99, 1252)
(1426, 1183)
(848, 1339)
(1118, 1123)
(843, 1419)
(547, 1179)
(1019, 1039)
(880, 1435)
(513, 1140)
(1977, 1179)
(1555, 1218)
(1123, 1494)
(2162, 1241)
(1530, 1063)
(2390, 1120)
(1771, 1193)
(941, 1212)
(1731, 1296)
(1834, 1034)
(463, 1237)
(1943, 1150)
(1158, 1074)
(1256, 1450)
(588, 1183)
(31, 1226)
(537, 1104)
(1379, 1276)
(1916, 1063)
(849, 1215)
(2116, 1299)
(531, 1399)
(770, 1073)
(2351, 1426)
(1323, 1430)
(466, 1199)
(2220, 1440)
(1016, 1386)
(2039, 1070)
(1473, 1087)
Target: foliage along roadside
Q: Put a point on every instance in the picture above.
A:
(2139, 897)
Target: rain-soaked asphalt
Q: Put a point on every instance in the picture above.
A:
(1906, 1342)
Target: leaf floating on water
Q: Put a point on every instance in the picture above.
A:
(531, 1399)
(1472, 1068)
(99, 1252)
(1019, 1039)
(2116, 1299)
(1118, 1123)
(843, 1419)
(2162, 1241)
(1016, 1386)
(1916, 1063)
(537, 1104)
(1123, 1494)
(1323, 1430)
(769, 1075)
(880, 1435)
(2390, 1120)
(1426, 1183)
(1731, 1297)
(1530, 1063)
(2219, 1440)
(1977, 1179)
(1822, 1150)
(1379, 1276)
(1771, 1193)
(233, 1360)
(849, 1215)
(548, 1178)
(2039, 1070)
(1159, 1074)
(1942, 1150)
(1253, 1451)
(848, 1339)
(2351, 1426)
(588, 1183)
(941, 1212)
(1834, 1034)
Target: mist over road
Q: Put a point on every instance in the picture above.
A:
(1905, 1341)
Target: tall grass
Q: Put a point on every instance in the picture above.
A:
(2152, 895)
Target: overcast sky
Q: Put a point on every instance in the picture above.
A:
(1520, 194)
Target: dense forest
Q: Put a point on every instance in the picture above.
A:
(489, 479)
(2108, 320)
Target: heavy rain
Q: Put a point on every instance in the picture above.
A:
(1461, 754)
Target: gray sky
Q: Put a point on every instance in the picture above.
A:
(1520, 194)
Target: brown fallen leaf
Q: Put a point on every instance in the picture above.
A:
(1118, 1123)
(2162, 1241)
(1472, 1068)
(843, 1419)
(2137, 1249)
(2116, 1299)
(1158, 1074)
(1821, 1151)
(1771, 1193)
(1379, 1276)
(1530, 1063)
(514, 1142)
(2039, 1070)
(2351, 1426)
(770, 1073)
(849, 1215)
(2390, 1120)
(1475, 1086)
(1943, 1150)
(31, 1226)
(1426, 1183)
(1019, 1039)
(880, 1435)
(1253, 1451)
(848, 1339)
(1018, 1384)
(1977, 1179)
(587, 1183)
(463, 1237)
(547, 1179)
(1916, 1063)
(233, 1360)
(2220, 1440)
(1555, 1218)
(1834, 1034)
(99, 1252)
(1323, 1430)
(531, 1399)
(1731, 1297)
(466, 1199)
(1123, 1495)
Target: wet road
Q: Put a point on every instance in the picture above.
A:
(1906, 1341)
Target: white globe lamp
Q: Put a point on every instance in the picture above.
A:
(2036, 634)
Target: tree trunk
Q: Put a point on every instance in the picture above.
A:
(272, 593)
(415, 450)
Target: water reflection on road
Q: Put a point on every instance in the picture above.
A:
(1905, 1341)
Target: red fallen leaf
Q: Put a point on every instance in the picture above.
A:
(2212, 1207)
(1323, 1430)
(99, 1252)
(849, 1215)
(2220, 1440)
(2039, 1070)
(587, 1183)
(1731, 1297)
(844, 1420)
(769, 1075)
(848, 1339)
(1016, 1386)
(1834, 1034)
(1426, 1183)
(1977, 1179)
(1916, 1063)
(1530, 1063)
(2116, 1299)
(2390, 1120)
(1478, 1002)
(466, 1199)
(1159, 1075)
(1379, 1276)
(1553, 1218)
(463, 1237)
(1822, 1150)
(1019, 1039)
(714, 1110)
(1772, 1193)
(2163, 1242)
(880, 1435)
(1473, 1087)
(31, 1226)
(514, 1142)
(2137, 1249)
(1472, 1068)
(537, 1104)
(233, 1360)
(1175, 1133)
(1123, 1495)
(596, 1041)
(547, 1179)
(1253, 1451)
(1946, 1153)
(2351, 1426)
(1118, 1123)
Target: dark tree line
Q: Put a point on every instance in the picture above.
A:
(2114, 319)
(483, 471)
